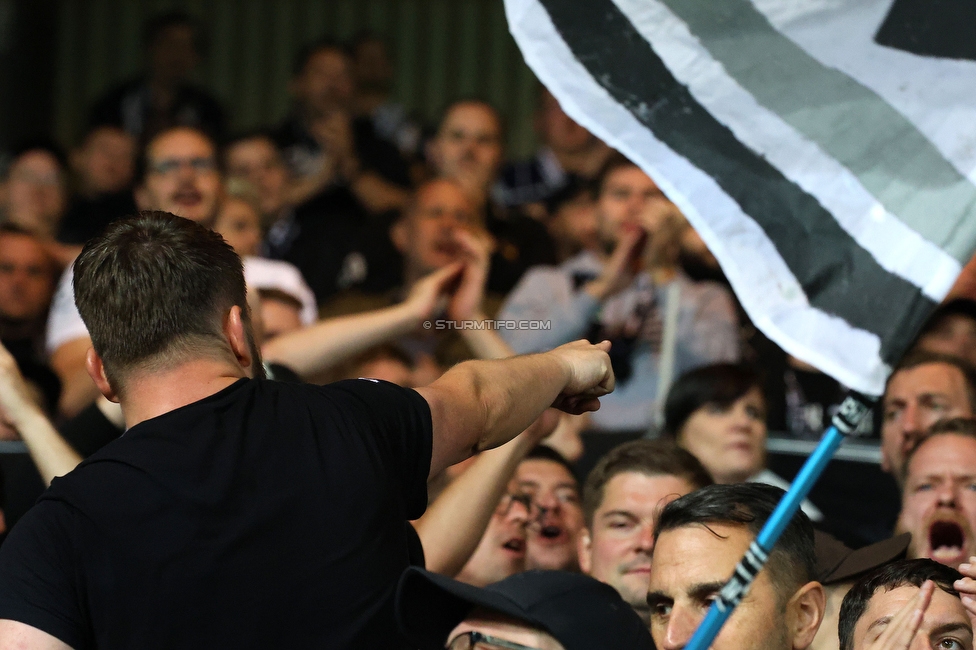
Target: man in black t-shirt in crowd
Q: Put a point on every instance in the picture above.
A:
(164, 95)
(336, 157)
(239, 512)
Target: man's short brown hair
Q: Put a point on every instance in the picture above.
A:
(964, 427)
(648, 457)
(154, 289)
(616, 161)
(916, 358)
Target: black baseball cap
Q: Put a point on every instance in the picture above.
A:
(580, 612)
(837, 563)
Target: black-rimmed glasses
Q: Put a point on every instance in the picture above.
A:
(472, 640)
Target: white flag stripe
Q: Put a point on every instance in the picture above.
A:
(928, 91)
(897, 248)
(765, 285)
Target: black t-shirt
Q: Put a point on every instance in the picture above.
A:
(267, 515)
(130, 106)
(89, 431)
(338, 251)
(374, 154)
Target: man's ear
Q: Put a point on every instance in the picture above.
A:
(584, 546)
(237, 338)
(96, 370)
(804, 613)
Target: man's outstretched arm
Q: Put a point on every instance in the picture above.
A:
(479, 405)
(18, 636)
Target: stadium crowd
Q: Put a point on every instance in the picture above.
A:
(219, 475)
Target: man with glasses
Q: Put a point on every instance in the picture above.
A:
(178, 173)
(501, 551)
(536, 610)
(556, 517)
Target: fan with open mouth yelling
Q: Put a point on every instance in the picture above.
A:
(939, 497)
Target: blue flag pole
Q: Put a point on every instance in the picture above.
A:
(853, 409)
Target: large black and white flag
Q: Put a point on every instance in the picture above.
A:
(833, 177)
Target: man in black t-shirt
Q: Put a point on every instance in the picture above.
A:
(335, 156)
(236, 511)
(163, 96)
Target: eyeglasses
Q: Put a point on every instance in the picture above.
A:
(535, 514)
(167, 166)
(509, 500)
(470, 640)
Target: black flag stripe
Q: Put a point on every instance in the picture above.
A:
(830, 266)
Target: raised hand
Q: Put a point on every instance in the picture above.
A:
(967, 587)
(16, 398)
(623, 265)
(429, 294)
(333, 132)
(900, 632)
(474, 247)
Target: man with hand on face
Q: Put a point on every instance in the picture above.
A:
(939, 494)
(621, 295)
(838, 568)
(905, 605)
(468, 148)
(622, 498)
(222, 499)
(700, 538)
(332, 152)
(163, 96)
(437, 230)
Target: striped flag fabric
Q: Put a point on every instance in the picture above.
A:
(833, 176)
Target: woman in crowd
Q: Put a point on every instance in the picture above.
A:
(718, 413)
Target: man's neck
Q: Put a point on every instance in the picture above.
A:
(149, 394)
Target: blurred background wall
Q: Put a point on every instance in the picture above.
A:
(57, 56)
